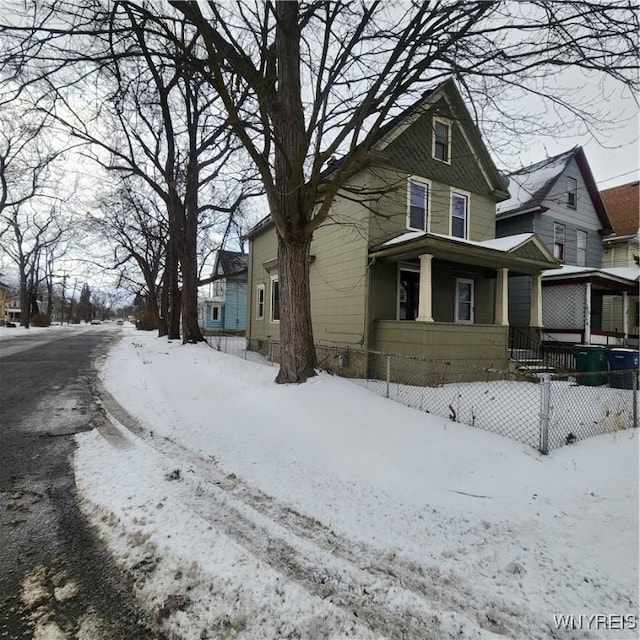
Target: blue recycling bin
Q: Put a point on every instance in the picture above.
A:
(624, 367)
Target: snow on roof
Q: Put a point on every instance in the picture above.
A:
(528, 186)
(504, 244)
(626, 273)
(405, 237)
(507, 243)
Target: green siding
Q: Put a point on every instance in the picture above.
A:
(391, 207)
(475, 345)
(337, 274)
(411, 152)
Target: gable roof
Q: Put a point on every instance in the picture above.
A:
(399, 123)
(230, 262)
(623, 207)
(448, 91)
(530, 186)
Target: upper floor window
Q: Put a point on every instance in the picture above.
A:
(459, 215)
(418, 205)
(572, 192)
(441, 140)
(581, 248)
(559, 233)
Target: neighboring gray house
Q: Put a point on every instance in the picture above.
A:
(224, 306)
(557, 199)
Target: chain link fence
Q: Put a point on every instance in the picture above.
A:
(545, 410)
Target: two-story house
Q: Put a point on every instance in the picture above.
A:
(4, 290)
(409, 263)
(224, 305)
(557, 199)
(621, 314)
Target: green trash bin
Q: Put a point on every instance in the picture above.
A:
(624, 367)
(591, 361)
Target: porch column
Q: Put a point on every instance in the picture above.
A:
(587, 313)
(535, 310)
(424, 295)
(501, 315)
(625, 316)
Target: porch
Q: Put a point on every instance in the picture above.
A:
(573, 301)
(441, 298)
(481, 346)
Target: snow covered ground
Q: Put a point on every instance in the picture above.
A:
(250, 510)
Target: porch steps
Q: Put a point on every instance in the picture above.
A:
(529, 361)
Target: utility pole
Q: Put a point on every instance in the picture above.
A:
(64, 288)
(73, 297)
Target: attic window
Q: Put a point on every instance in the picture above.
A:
(441, 140)
(572, 192)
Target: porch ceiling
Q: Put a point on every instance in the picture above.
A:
(528, 257)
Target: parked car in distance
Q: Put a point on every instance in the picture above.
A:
(96, 321)
(120, 322)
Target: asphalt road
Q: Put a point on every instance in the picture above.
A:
(56, 579)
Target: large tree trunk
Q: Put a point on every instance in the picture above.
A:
(289, 208)
(173, 290)
(297, 351)
(191, 332)
(163, 315)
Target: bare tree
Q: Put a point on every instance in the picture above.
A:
(302, 83)
(31, 223)
(134, 225)
(319, 79)
(153, 119)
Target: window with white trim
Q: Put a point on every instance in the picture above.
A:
(559, 234)
(275, 299)
(464, 300)
(581, 248)
(215, 313)
(459, 215)
(572, 192)
(441, 148)
(417, 205)
(260, 302)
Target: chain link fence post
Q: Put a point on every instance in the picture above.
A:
(545, 408)
(636, 380)
(386, 395)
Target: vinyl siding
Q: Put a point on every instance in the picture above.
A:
(583, 218)
(620, 254)
(392, 208)
(473, 345)
(337, 276)
(263, 248)
(235, 305)
(411, 152)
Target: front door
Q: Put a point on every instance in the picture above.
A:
(464, 300)
(409, 287)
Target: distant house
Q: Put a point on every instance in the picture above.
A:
(622, 251)
(4, 290)
(223, 306)
(416, 271)
(557, 199)
(12, 306)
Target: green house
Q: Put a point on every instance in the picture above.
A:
(409, 262)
